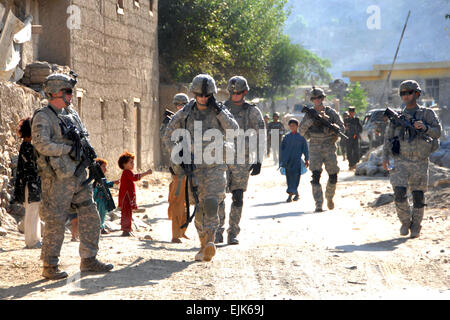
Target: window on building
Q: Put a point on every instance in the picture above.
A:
(79, 107)
(432, 88)
(396, 83)
(102, 109)
(120, 7)
(150, 9)
(125, 110)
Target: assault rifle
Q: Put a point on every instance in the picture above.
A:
(191, 184)
(84, 152)
(408, 125)
(326, 123)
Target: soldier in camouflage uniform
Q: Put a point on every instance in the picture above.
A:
(322, 149)
(179, 100)
(275, 128)
(248, 116)
(411, 163)
(61, 190)
(210, 177)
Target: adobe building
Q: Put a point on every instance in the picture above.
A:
(433, 77)
(113, 47)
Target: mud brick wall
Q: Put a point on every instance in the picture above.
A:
(116, 58)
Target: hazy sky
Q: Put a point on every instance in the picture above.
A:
(355, 34)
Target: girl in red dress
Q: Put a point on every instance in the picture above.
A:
(127, 191)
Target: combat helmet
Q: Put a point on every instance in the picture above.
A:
(317, 93)
(58, 81)
(237, 84)
(180, 98)
(410, 85)
(203, 84)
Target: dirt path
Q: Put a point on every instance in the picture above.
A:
(286, 252)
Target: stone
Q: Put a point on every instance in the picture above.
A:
(21, 226)
(382, 200)
(3, 232)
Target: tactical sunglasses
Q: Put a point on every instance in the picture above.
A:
(238, 93)
(316, 98)
(404, 93)
(203, 95)
(67, 91)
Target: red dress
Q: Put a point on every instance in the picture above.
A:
(127, 198)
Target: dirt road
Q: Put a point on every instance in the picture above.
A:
(286, 252)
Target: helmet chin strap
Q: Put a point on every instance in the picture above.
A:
(65, 101)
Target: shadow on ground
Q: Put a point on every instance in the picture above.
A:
(386, 245)
(280, 215)
(136, 274)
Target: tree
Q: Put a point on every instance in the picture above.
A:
(357, 97)
(222, 38)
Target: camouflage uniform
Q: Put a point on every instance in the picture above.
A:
(411, 164)
(271, 127)
(61, 190)
(248, 117)
(322, 151)
(210, 177)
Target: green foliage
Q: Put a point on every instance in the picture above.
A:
(234, 37)
(357, 97)
(222, 38)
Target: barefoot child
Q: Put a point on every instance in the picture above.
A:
(100, 197)
(127, 191)
(28, 186)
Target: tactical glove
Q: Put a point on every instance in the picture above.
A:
(255, 168)
(212, 103)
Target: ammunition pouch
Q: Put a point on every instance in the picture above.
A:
(395, 146)
(63, 166)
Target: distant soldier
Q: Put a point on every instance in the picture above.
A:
(275, 128)
(266, 122)
(248, 116)
(322, 148)
(353, 129)
(211, 179)
(61, 189)
(411, 157)
(177, 204)
(342, 141)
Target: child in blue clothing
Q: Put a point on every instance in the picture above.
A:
(100, 197)
(293, 147)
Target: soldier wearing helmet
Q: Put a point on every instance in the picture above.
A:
(177, 208)
(275, 131)
(205, 113)
(249, 117)
(322, 148)
(411, 157)
(61, 190)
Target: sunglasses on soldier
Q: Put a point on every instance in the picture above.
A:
(238, 93)
(203, 95)
(67, 91)
(404, 93)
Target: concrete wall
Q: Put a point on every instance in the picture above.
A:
(116, 58)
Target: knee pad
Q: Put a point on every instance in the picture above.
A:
(332, 178)
(418, 199)
(316, 177)
(211, 206)
(238, 198)
(400, 194)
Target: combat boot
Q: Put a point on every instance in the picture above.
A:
(93, 265)
(210, 248)
(199, 256)
(329, 194)
(53, 272)
(417, 216)
(219, 237)
(318, 196)
(232, 239)
(404, 229)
